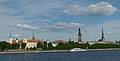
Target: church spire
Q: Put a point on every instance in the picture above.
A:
(102, 37)
(10, 34)
(33, 36)
(79, 35)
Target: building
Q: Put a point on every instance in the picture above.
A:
(58, 41)
(101, 40)
(11, 39)
(79, 35)
(31, 43)
(102, 37)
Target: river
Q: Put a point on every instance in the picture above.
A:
(64, 56)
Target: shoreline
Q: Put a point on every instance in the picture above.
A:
(50, 51)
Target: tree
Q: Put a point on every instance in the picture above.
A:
(15, 46)
(50, 46)
(39, 45)
(44, 45)
(4, 45)
(23, 45)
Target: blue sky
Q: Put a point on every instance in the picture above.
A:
(60, 19)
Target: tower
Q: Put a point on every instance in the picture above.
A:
(10, 34)
(69, 39)
(33, 36)
(102, 37)
(10, 37)
(79, 35)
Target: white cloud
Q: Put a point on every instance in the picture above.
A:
(62, 26)
(67, 25)
(16, 35)
(25, 26)
(102, 8)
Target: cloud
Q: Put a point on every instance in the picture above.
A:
(61, 26)
(16, 35)
(25, 26)
(102, 8)
(67, 25)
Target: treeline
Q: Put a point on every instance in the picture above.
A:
(6, 46)
(71, 45)
(60, 46)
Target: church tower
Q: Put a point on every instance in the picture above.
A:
(33, 36)
(10, 37)
(102, 37)
(10, 34)
(79, 35)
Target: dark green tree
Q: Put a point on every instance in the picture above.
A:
(39, 45)
(50, 46)
(15, 46)
(45, 45)
(23, 45)
(4, 45)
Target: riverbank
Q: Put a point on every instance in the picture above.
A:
(30, 51)
(103, 49)
(17, 51)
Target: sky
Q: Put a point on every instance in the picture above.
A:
(60, 19)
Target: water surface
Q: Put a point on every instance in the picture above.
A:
(64, 56)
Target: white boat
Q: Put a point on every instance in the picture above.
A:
(77, 49)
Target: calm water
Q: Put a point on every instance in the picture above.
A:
(64, 56)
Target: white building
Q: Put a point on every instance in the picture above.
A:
(31, 45)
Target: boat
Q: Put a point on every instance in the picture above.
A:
(77, 49)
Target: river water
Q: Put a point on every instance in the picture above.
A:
(64, 56)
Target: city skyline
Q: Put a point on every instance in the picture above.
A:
(60, 19)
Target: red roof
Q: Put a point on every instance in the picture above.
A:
(34, 41)
(13, 41)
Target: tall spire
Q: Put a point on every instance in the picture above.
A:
(102, 37)
(10, 34)
(69, 39)
(79, 35)
(33, 36)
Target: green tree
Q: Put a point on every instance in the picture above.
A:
(39, 45)
(23, 45)
(44, 45)
(50, 46)
(15, 46)
(4, 45)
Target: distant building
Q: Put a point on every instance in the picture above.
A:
(11, 40)
(79, 35)
(58, 41)
(31, 43)
(102, 37)
(100, 42)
